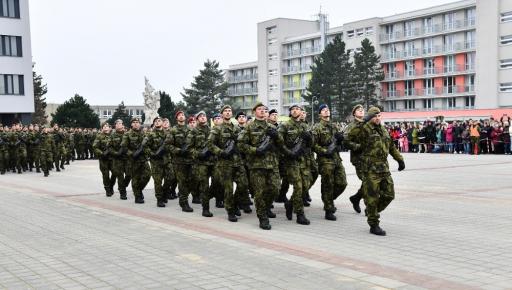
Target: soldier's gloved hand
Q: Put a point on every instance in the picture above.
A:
(296, 152)
(331, 149)
(272, 133)
(137, 154)
(401, 165)
(339, 137)
(307, 137)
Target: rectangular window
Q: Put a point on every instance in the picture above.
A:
(272, 41)
(409, 68)
(12, 85)
(369, 30)
(10, 45)
(506, 87)
(506, 17)
(409, 49)
(428, 45)
(359, 32)
(449, 64)
(271, 30)
(272, 87)
(272, 56)
(506, 63)
(470, 102)
(409, 28)
(428, 84)
(272, 72)
(449, 42)
(449, 21)
(10, 8)
(449, 85)
(428, 66)
(427, 103)
(392, 106)
(409, 88)
(506, 40)
(410, 104)
(452, 103)
(470, 60)
(350, 33)
(427, 25)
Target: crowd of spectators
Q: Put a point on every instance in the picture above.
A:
(489, 136)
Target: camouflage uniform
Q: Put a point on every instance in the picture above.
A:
(351, 141)
(140, 172)
(332, 172)
(47, 148)
(120, 164)
(229, 167)
(4, 151)
(263, 165)
(176, 141)
(60, 149)
(378, 185)
(101, 148)
(34, 141)
(156, 150)
(170, 180)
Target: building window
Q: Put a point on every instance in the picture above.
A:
(506, 40)
(359, 32)
(272, 56)
(427, 104)
(428, 66)
(272, 72)
(470, 61)
(449, 21)
(452, 103)
(12, 85)
(369, 30)
(409, 28)
(449, 64)
(273, 102)
(10, 8)
(506, 87)
(427, 25)
(428, 45)
(409, 68)
(392, 106)
(410, 104)
(470, 102)
(506, 17)
(350, 33)
(271, 30)
(506, 63)
(409, 88)
(449, 42)
(272, 87)
(471, 16)
(10, 45)
(428, 85)
(272, 41)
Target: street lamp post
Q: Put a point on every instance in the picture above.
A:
(313, 100)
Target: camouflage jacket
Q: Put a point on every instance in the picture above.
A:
(377, 144)
(250, 139)
(47, 142)
(100, 145)
(323, 134)
(116, 139)
(198, 143)
(352, 141)
(291, 133)
(155, 139)
(217, 141)
(132, 141)
(176, 142)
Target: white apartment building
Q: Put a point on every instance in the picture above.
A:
(450, 59)
(16, 84)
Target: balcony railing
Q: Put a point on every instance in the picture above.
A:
(431, 71)
(242, 78)
(435, 91)
(246, 105)
(296, 69)
(294, 85)
(242, 91)
(301, 52)
(428, 30)
(438, 49)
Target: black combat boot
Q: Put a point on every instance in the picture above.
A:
(308, 197)
(19, 171)
(109, 192)
(270, 214)
(232, 217)
(186, 207)
(237, 211)
(376, 230)
(160, 203)
(264, 223)
(206, 211)
(67, 162)
(301, 219)
(305, 202)
(139, 199)
(219, 203)
(38, 170)
(172, 195)
(355, 202)
(46, 174)
(57, 169)
(329, 215)
(281, 198)
(247, 209)
(122, 194)
(289, 209)
(196, 200)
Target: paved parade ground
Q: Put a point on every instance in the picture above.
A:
(450, 227)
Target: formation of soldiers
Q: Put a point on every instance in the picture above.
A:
(233, 162)
(40, 148)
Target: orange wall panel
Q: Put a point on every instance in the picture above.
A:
(459, 80)
(439, 62)
(438, 83)
(460, 60)
(418, 65)
(418, 84)
(400, 65)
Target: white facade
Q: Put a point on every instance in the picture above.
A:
(16, 83)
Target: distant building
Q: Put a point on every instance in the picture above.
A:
(16, 84)
(104, 112)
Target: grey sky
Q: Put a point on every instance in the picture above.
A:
(102, 49)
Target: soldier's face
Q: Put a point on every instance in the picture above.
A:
(202, 119)
(192, 123)
(217, 121)
(273, 117)
(359, 113)
(119, 125)
(325, 113)
(227, 114)
(106, 129)
(241, 119)
(181, 117)
(158, 123)
(296, 112)
(377, 119)
(166, 124)
(136, 125)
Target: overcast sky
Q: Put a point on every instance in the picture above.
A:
(102, 49)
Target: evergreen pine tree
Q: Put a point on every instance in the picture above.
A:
(368, 73)
(76, 112)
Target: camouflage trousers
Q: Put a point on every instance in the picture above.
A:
(285, 185)
(107, 174)
(184, 176)
(46, 160)
(378, 193)
(21, 158)
(4, 160)
(59, 156)
(158, 172)
(122, 172)
(202, 175)
(140, 174)
(170, 180)
(226, 176)
(35, 156)
(359, 173)
(299, 178)
(334, 182)
(267, 189)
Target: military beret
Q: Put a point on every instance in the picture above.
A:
(273, 111)
(225, 107)
(217, 115)
(119, 121)
(372, 112)
(177, 113)
(191, 119)
(258, 104)
(156, 118)
(240, 114)
(321, 107)
(294, 105)
(200, 113)
(355, 108)
(103, 124)
(135, 119)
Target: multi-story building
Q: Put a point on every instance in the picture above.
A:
(450, 59)
(16, 85)
(243, 85)
(104, 112)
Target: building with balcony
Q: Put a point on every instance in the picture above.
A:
(104, 112)
(243, 85)
(451, 57)
(16, 85)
